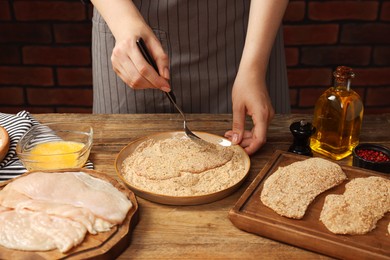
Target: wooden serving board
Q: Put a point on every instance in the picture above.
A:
(106, 245)
(251, 215)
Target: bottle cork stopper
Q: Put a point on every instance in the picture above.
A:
(343, 73)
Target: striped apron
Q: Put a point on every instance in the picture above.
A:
(204, 40)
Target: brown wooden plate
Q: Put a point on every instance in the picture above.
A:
(183, 200)
(251, 215)
(106, 245)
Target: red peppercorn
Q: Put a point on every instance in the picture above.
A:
(372, 155)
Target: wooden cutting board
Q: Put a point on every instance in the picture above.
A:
(106, 245)
(251, 215)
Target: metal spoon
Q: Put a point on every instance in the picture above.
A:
(144, 50)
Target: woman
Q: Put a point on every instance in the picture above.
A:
(208, 52)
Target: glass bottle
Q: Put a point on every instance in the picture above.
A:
(338, 116)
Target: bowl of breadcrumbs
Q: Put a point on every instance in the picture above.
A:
(169, 168)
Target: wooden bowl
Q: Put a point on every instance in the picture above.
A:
(178, 200)
(4, 143)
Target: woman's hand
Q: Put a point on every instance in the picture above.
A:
(250, 94)
(133, 69)
(127, 26)
(250, 97)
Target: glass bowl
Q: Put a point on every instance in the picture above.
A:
(55, 146)
(366, 156)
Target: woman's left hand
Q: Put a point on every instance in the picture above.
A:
(250, 97)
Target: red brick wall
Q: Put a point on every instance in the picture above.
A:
(320, 35)
(45, 57)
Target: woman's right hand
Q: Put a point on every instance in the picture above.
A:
(127, 26)
(130, 65)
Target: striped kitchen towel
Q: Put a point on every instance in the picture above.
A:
(16, 126)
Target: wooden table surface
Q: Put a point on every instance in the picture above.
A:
(202, 231)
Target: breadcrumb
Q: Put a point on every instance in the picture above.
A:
(364, 202)
(290, 189)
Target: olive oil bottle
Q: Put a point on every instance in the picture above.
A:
(338, 115)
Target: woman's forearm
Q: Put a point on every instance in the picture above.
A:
(265, 17)
(127, 25)
(120, 16)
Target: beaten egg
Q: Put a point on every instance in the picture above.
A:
(56, 155)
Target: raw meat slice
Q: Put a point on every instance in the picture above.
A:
(43, 211)
(10, 198)
(364, 202)
(2, 209)
(75, 188)
(291, 189)
(27, 230)
(81, 215)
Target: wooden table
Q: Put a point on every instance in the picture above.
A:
(203, 231)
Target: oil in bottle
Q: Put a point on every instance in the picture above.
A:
(338, 115)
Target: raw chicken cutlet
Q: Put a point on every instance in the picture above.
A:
(72, 188)
(37, 231)
(290, 189)
(42, 211)
(364, 202)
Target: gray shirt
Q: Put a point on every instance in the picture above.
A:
(204, 40)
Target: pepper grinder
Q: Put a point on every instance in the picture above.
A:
(301, 130)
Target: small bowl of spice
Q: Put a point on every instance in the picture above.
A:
(372, 156)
